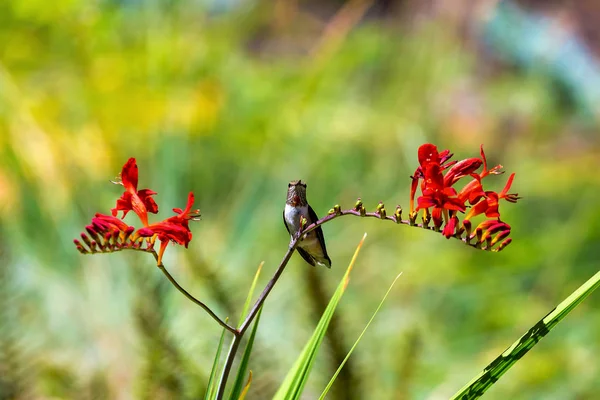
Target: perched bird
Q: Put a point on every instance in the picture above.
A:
(312, 246)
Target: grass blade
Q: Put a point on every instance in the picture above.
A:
(247, 387)
(335, 375)
(212, 388)
(250, 293)
(238, 386)
(297, 377)
(518, 349)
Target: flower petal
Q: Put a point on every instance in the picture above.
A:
(129, 175)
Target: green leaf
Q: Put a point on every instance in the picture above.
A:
(337, 372)
(247, 387)
(296, 379)
(250, 293)
(518, 349)
(211, 389)
(238, 386)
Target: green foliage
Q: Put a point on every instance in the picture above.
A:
(293, 385)
(13, 359)
(211, 387)
(164, 374)
(337, 372)
(490, 375)
(233, 106)
(239, 385)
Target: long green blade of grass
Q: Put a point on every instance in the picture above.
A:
(297, 376)
(247, 387)
(518, 349)
(211, 389)
(250, 293)
(238, 386)
(337, 372)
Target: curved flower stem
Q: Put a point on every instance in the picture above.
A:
(195, 300)
(340, 213)
(250, 317)
(263, 296)
(235, 343)
(336, 212)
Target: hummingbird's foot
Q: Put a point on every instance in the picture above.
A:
(297, 236)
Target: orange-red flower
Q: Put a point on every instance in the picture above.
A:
(450, 228)
(436, 188)
(106, 223)
(107, 233)
(140, 201)
(489, 204)
(435, 192)
(174, 229)
(445, 202)
(461, 169)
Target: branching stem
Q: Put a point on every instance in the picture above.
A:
(250, 317)
(239, 333)
(193, 299)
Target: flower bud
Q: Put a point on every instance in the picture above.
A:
(398, 214)
(380, 210)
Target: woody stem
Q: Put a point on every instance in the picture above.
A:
(195, 300)
(239, 333)
(250, 317)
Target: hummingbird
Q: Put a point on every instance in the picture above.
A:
(312, 245)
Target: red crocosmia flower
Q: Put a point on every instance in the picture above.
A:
(473, 191)
(450, 227)
(461, 169)
(105, 232)
(491, 227)
(175, 228)
(140, 201)
(428, 153)
(107, 223)
(432, 163)
(437, 217)
(445, 199)
(437, 175)
(436, 193)
(489, 204)
(494, 171)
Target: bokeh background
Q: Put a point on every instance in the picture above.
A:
(232, 99)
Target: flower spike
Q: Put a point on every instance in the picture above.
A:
(436, 176)
(141, 202)
(107, 233)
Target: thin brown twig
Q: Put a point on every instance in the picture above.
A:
(210, 312)
(341, 213)
(333, 214)
(251, 315)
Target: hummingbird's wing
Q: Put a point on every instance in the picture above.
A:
(303, 253)
(307, 257)
(285, 222)
(313, 217)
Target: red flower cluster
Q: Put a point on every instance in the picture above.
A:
(445, 202)
(107, 233)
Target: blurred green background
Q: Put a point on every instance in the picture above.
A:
(233, 99)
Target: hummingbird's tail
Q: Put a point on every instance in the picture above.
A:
(313, 260)
(324, 261)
